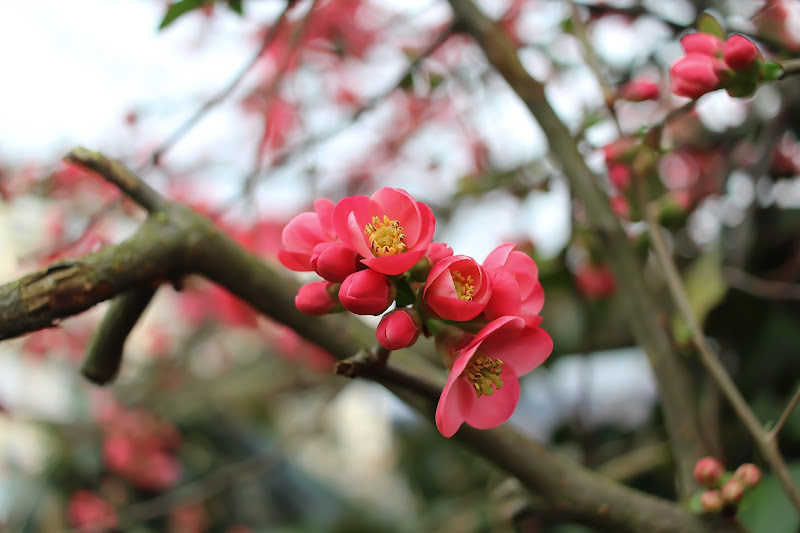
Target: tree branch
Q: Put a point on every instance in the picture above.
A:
(178, 241)
(677, 400)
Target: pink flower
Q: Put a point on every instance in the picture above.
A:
(695, 74)
(390, 230)
(483, 387)
(701, 43)
(399, 329)
(639, 90)
(367, 292)
(88, 512)
(740, 53)
(749, 474)
(595, 281)
(334, 261)
(315, 298)
(303, 233)
(457, 288)
(515, 285)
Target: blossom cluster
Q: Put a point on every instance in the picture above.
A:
(724, 490)
(710, 63)
(377, 252)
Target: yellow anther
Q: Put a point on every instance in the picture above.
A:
(385, 237)
(484, 374)
(465, 287)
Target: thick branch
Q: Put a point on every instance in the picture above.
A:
(674, 386)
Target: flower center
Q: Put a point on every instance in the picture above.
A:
(465, 287)
(385, 237)
(484, 372)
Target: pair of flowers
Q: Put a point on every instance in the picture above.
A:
(377, 251)
(710, 64)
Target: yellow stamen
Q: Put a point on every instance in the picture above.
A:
(484, 374)
(465, 287)
(385, 237)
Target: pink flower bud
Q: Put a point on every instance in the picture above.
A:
(694, 75)
(732, 491)
(315, 298)
(708, 472)
(620, 149)
(711, 501)
(334, 261)
(639, 90)
(367, 292)
(399, 329)
(739, 52)
(749, 474)
(701, 43)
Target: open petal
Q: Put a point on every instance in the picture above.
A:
(505, 298)
(527, 351)
(498, 256)
(398, 205)
(324, 209)
(454, 404)
(490, 411)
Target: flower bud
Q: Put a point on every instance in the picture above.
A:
(740, 53)
(749, 474)
(702, 43)
(708, 472)
(438, 251)
(639, 90)
(732, 491)
(711, 501)
(399, 329)
(694, 75)
(315, 298)
(620, 175)
(367, 292)
(334, 261)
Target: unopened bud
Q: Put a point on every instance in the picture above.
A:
(749, 474)
(711, 501)
(732, 491)
(708, 472)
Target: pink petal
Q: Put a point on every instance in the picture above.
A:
(454, 403)
(505, 298)
(347, 224)
(391, 265)
(490, 411)
(398, 205)
(324, 209)
(498, 256)
(299, 262)
(524, 353)
(535, 301)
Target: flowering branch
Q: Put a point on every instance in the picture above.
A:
(682, 421)
(708, 357)
(177, 241)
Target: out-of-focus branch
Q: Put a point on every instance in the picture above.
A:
(708, 357)
(790, 407)
(676, 397)
(778, 290)
(220, 97)
(177, 241)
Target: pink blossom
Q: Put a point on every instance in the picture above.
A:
(399, 329)
(457, 288)
(620, 175)
(701, 43)
(315, 298)
(639, 90)
(483, 386)
(695, 74)
(390, 230)
(740, 53)
(303, 233)
(334, 261)
(595, 281)
(515, 284)
(88, 512)
(366, 292)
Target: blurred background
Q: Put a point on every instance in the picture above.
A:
(222, 420)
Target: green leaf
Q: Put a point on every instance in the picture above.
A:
(772, 70)
(180, 8)
(706, 23)
(236, 6)
(766, 508)
(405, 294)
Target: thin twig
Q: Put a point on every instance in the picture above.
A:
(218, 98)
(777, 290)
(708, 357)
(773, 433)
